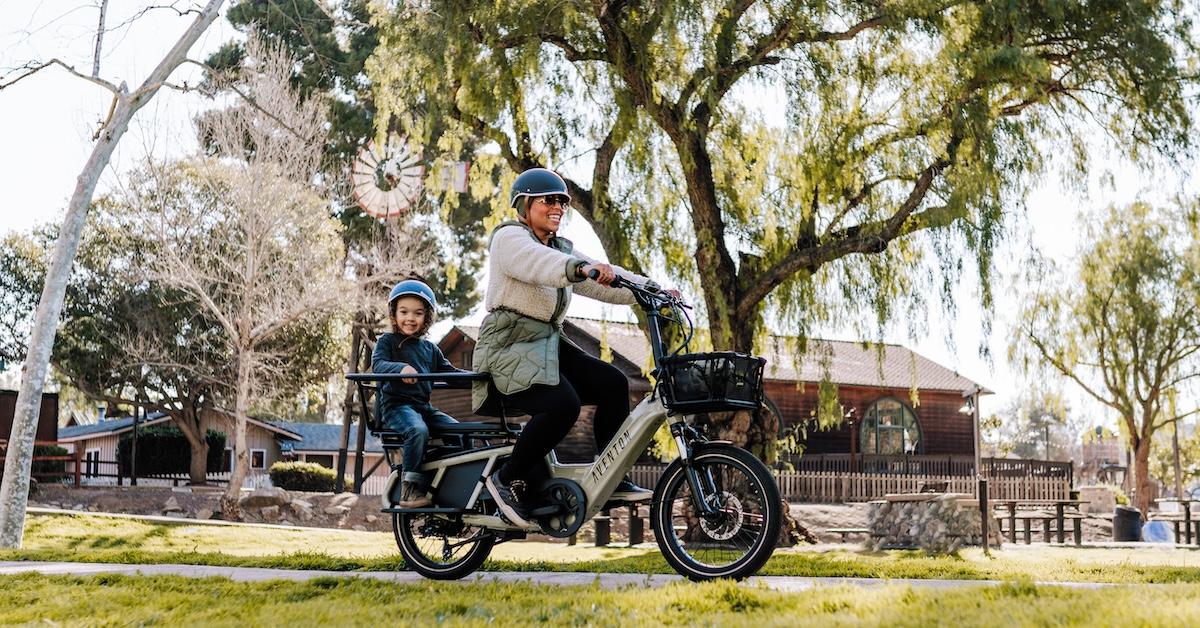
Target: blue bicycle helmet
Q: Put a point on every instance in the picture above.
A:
(416, 288)
(537, 182)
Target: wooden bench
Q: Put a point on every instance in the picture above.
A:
(848, 531)
(1047, 519)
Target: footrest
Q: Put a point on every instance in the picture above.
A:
(424, 511)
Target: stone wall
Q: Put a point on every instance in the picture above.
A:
(935, 522)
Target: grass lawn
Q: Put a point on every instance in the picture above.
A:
(111, 599)
(104, 539)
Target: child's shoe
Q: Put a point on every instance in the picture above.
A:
(413, 495)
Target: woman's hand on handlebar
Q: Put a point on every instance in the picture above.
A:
(604, 273)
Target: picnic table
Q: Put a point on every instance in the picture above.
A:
(1060, 516)
(1187, 516)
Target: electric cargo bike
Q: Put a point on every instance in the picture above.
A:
(715, 511)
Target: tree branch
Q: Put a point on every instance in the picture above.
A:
(872, 237)
(31, 68)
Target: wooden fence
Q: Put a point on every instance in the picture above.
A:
(926, 465)
(801, 486)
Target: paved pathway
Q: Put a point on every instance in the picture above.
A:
(606, 580)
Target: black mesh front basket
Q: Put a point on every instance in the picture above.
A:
(712, 382)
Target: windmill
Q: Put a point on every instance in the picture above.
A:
(387, 180)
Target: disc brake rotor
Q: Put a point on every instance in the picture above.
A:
(727, 521)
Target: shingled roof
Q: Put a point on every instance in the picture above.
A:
(847, 363)
(322, 437)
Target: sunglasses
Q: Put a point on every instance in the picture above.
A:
(555, 199)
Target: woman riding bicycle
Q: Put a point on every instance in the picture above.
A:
(532, 274)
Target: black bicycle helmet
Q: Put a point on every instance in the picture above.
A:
(537, 182)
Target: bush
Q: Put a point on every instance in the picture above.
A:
(163, 450)
(54, 469)
(305, 476)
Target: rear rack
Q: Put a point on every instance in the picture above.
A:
(368, 384)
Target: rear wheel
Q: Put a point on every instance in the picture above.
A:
(440, 548)
(739, 536)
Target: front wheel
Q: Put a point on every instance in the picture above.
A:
(439, 548)
(739, 536)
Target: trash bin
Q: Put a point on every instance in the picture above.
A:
(1127, 524)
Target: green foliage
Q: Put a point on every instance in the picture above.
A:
(305, 476)
(779, 156)
(1126, 327)
(163, 450)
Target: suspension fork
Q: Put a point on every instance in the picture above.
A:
(684, 436)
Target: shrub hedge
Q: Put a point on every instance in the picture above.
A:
(51, 469)
(163, 450)
(305, 476)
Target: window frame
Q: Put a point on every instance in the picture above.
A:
(264, 458)
(874, 431)
(91, 464)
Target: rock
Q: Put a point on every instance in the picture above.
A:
(92, 508)
(269, 513)
(346, 500)
(261, 497)
(336, 511)
(77, 507)
(204, 513)
(372, 518)
(358, 527)
(285, 522)
(172, 505)
(302, 509)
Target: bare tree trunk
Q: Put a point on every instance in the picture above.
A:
(14, 491)
(1141, 475)
(339, 484)
(189, 424)
(1177, 465)
(99, 39)
(230, 508)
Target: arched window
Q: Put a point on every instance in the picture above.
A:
(890, 427)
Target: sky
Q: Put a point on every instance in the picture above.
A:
(46, 123)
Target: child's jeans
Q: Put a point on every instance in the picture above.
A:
(412, 423)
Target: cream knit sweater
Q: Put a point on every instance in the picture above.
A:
(524, 275)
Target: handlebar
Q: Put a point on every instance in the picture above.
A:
(651, 291)
(654, 300)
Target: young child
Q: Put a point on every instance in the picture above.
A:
(404, 405)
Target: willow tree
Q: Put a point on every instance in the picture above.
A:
(1127, 328)
(803, 162)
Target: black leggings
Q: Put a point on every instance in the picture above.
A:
(582, 380)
